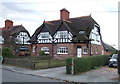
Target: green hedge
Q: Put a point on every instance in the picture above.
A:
(68, 65)
(86, 63)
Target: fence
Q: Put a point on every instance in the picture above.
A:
(34, 64)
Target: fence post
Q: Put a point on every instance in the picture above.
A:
(49, 63)
(32, 65)
(72, 66)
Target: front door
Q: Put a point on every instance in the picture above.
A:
(79, 52)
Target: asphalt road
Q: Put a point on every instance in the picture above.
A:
(9, 76)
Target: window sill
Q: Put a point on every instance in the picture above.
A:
(84, 53)
(62, 53)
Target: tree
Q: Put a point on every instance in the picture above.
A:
(7, 52)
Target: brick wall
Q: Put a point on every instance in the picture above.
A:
(71, 50)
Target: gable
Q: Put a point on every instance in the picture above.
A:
(62, 27)
(44, 29)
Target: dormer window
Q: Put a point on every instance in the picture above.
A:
(62, 34)
(44, 35)
(82, 32)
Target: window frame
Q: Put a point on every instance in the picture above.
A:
(84, 50)
(46, 50)
(62, 34)
(81, 32)
(62, 50)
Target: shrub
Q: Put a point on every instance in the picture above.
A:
(86, 63)
(81, 65)
(7, 52)
(44, 56)
(68, 65)
(42, 53)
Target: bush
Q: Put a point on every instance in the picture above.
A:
(42, 53)
(86, 63)
(44, 56)
(7, 52)
(68, 65)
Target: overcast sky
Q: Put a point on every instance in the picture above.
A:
(32, 13)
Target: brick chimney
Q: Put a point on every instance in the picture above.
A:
(8, 23)
(64, 14)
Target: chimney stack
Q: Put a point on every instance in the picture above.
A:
(64, 14)
(8, 23)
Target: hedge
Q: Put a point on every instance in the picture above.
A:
(86, 63)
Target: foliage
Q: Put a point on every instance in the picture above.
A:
(68, 65)
(43, 56)
(7, 52)
(86, 63)
(42, 53)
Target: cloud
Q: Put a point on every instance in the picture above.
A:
(31, 13)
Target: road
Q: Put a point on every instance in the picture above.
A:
(9, 76)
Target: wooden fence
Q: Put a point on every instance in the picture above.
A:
(34, 64)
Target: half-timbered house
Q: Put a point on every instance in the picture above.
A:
(68, 37)
(14, 35)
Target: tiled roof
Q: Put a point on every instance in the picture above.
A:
(107, 47)
(74, 25)
(12, 31)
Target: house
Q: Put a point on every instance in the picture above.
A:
(108, 49)
(68, 37)
(13, 35)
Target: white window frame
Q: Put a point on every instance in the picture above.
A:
(91, 49)
(45, 50)
(1, 40)
(46, 35)
(84, 49)
(62, 50)
(82, 32)
(96, 50)
(62, 34)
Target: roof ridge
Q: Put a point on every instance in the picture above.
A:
(69, 18)
(79, 17)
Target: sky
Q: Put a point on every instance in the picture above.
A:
(32, 13)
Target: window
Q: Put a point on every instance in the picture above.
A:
(84, 50)
(62, 34)
(62, 50)
(44, 35)
(91, 50)
(96, 50)
(22, 38)
(1, 40)
(82, 32)
(45, 49)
